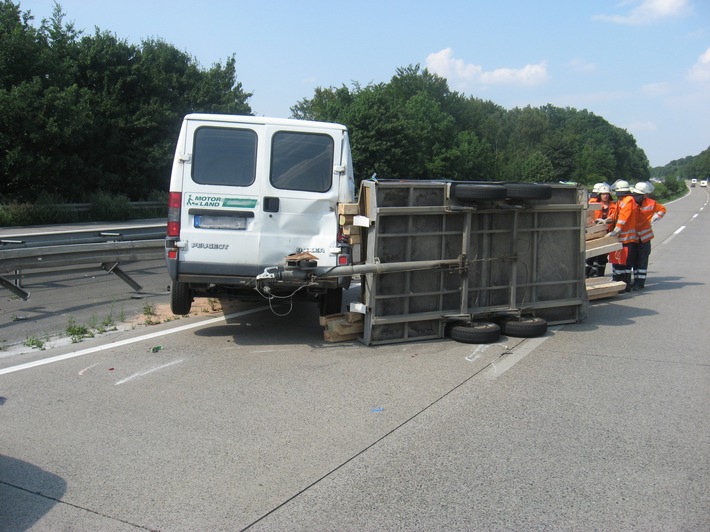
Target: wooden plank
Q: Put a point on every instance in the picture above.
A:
(602, 287)
(348, 208)
(344, 329)
(332, 336)
(325, 320)
(351, 230)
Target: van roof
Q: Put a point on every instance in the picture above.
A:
(261, 120)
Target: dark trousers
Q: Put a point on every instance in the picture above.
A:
(596, 265)
(622, 272)
(641, 265)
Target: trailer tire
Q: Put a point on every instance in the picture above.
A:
(475, 192)
(180, 298)
(528, 191)
(476, 332)
(331, 301)
(524, 327)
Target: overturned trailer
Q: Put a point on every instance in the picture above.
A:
(436, 253)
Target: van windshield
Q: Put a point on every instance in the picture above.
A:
(302, 161)
(224, 156)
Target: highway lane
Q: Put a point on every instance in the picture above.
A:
(255, 421)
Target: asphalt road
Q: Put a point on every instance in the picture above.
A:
(251, 421)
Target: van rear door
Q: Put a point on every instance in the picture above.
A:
(254, 193)
(300, 194)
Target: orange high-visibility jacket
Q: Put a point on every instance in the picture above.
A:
(626, 214)
(610, 212)
(646, 211)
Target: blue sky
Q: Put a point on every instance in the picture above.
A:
(643, 65)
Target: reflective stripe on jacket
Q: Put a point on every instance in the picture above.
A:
(646, 210)
(626, 214)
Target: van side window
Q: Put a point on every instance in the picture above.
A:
(224, 156)
(302, 161)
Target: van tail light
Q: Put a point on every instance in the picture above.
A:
(174, 203)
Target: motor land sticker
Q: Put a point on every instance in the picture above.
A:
(204, 200)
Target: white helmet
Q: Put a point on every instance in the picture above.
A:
(604, 189)
(643, 188)
(596, 187)
(621, 186)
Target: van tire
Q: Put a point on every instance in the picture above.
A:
(524, 327)
(331, 301)
(528, 191)
(476, 332)
(180, 299)
(474, 192)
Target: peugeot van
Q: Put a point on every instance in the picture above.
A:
(251, 197)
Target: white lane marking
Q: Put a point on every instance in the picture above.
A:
(674, 234)
(694, 216)
(88, 368)
(477, 353)
(496, 369)
(128, 341)
(147, 371)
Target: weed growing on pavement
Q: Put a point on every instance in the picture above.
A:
(34, 342)
(77, 332)
(149, 309)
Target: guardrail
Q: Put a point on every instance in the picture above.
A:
(106, 246)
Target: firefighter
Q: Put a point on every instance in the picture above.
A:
(625, 229)
(649, 212)
(596, 266)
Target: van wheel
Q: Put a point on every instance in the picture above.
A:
(180, 299)
(476, 332)
(524, 327)
(331, 301)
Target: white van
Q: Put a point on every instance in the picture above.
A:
(253, 196)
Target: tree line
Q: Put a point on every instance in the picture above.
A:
(87, 113)
(83, 114)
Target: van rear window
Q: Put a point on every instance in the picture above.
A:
(224, 156)
(302, 161)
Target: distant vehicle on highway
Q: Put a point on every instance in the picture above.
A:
(704, 183)
(693, 182)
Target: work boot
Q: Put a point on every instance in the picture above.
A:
(629, 283)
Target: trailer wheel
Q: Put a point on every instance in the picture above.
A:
(180, 298)
(476, 332)
(471, 192)
(524, 327)
(528, 191)
(331, 301)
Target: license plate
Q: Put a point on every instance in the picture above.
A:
(203, 221)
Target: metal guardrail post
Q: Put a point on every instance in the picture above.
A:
(12, 287)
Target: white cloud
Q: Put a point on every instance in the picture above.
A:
(580, 65)
(701, 69)
(649, 11)
(656, 89)
(462, 75)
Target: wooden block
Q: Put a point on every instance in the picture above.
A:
(344, 328)
(351, 230)
(325, 320)
(332, 336)
(348, 208)
(354, 239)
(354, 317)
(601, 287)
(596, 231)
(346, 219)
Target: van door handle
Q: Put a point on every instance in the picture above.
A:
(271, 204)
